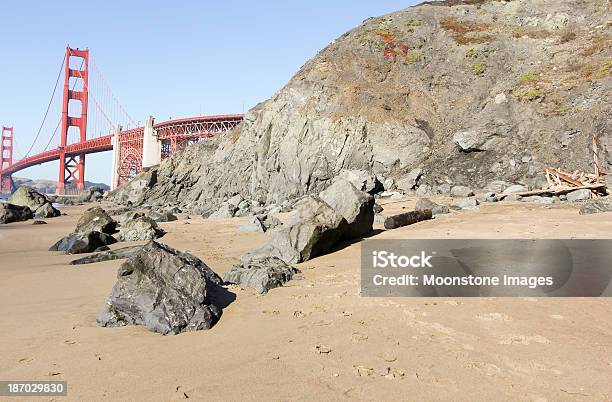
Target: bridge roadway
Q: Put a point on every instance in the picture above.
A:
(175, 131)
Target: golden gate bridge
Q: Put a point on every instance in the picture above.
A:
(108, 128)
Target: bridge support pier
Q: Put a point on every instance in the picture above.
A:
(72, 167)
(6, 159)
(116, 158)
(151, 145)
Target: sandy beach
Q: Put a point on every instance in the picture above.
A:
(315, 338)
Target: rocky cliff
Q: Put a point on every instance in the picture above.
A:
(449, 92)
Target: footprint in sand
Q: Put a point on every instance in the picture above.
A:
(359, 337)
(392, 373)
(488, 369)
(523, 340)
(363, 371)
(494, 317)
(322, 349)
(388, 357)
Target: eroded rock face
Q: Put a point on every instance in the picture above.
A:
(14, 213)
(260, 274)
(39, 204)
(166, 290)
(450, 90)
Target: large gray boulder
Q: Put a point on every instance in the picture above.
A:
(579, 195)
(82, 242)
(96, 219)
(39, 204)
(318, 223)
(14, 213)
(313, 229)
(166, 290)
(356, 206)
(93, 230)
(141, 228)
(260, 274)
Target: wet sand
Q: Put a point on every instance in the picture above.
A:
(265, 347)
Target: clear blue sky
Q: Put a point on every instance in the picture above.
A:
(161, 58)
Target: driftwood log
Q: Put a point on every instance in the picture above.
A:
(407, 218)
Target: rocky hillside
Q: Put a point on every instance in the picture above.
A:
(449, 92)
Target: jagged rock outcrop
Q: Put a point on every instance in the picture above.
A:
(261, 274)
(39, 204)
(466, 92)
(166, 290)
(14, 213)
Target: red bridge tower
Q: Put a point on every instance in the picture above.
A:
(72, 167)
(6, 159)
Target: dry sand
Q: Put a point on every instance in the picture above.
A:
(265, 347)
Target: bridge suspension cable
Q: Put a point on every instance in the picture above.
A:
(60, 120)
(112, 94)
(59, 75)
